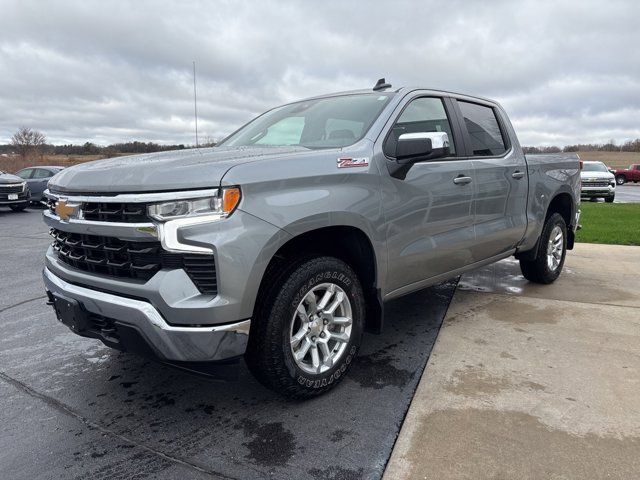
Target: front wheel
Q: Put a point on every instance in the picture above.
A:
(621, 179)
(552, 248)
(307, 328)
(610, 199)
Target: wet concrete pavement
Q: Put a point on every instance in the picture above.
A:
(72, 408)
(531, 381)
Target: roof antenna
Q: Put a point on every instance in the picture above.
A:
(381, 85)
(195, 102)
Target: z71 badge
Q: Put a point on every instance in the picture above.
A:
(353, 162)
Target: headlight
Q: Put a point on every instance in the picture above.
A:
(221, 205)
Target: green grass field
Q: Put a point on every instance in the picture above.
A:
(612, 223)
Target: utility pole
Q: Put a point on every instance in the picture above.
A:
(195, 101)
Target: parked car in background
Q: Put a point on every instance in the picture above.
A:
(14, 192)
(631, 174)
(597, 182)
(37, 179)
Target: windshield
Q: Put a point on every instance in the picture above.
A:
(594, 167)
(320, 123)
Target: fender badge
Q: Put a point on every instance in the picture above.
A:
(349, 162)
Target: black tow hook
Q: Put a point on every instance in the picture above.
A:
(50, 298)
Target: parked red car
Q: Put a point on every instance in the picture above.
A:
(631, 174)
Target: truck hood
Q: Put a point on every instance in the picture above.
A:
(8, 178)
(173, 170)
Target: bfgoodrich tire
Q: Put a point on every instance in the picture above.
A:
(308, 328)
(552, 248)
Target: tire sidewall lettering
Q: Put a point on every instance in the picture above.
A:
(323, 382)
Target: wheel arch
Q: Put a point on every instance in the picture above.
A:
(564, 204)
(346, 242)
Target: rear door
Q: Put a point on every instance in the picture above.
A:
(500, 181)
(429, 227)
(38, 182)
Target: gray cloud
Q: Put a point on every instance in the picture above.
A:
(114, 71)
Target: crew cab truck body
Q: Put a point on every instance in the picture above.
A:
(631, 174)
(283, 243)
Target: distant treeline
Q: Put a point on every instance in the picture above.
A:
(92, 149)
(629, 146)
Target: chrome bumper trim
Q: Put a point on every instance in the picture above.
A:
(177, 343)
(133, 197)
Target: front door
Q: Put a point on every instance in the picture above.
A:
(429, 214)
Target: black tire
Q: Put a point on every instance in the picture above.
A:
(538, 270)
(269, 353)
(610, 199)
(18, 208)
(621, 179)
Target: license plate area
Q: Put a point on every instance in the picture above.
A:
(13, 196)
(71, 313)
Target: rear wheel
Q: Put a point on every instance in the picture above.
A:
(621, 179)
(552, 248)
(308, 328)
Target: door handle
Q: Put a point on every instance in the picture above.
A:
(462, 180)
(518, 175)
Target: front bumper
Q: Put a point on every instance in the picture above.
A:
(597, 191)
(23, 197)
(135, 325)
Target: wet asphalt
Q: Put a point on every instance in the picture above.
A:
(73, 408)
(628, 193)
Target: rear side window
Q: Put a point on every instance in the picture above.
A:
(25, 173)
(483, 128)
(41, 173)
(424, 114)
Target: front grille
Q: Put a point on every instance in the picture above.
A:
(137, 260)
(14, 188)
(115, 212)
(110, 212)
(595, 184)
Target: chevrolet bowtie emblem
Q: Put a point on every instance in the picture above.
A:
(65, 210)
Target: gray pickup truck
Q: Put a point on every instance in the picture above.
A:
(283, 243)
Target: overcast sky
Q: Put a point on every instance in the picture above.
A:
(112, 71)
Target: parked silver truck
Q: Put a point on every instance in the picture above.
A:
(597, 182)
(283, 243)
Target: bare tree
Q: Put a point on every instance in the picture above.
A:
(28, 141)
(208, 142)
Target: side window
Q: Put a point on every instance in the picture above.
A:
(285, 132)
(483, 128)
(41, 173)
(424, 114)
(25, 173)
